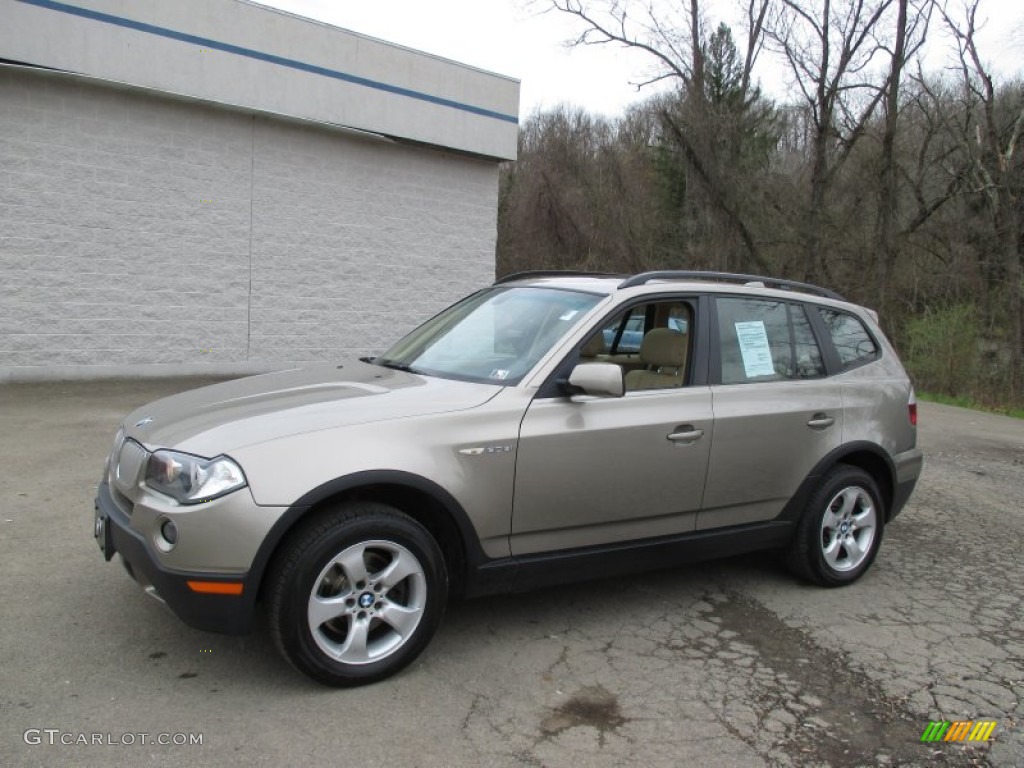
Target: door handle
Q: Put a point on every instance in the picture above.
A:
(820, 421)
(686, 434)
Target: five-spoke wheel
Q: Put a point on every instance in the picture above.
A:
(848, 528)
(367, 601)
(841, 529)
(356, 594)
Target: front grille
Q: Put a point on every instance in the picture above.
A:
(112, 458)
(128, 467)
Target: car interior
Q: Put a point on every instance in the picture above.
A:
(650, 342)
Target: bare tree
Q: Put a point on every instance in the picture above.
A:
(910, 35)
(582, 194)
(934, 174)
(990, 143)
(675, 43)
(830, 47)
(925, 217)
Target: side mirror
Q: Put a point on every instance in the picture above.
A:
(597, 379)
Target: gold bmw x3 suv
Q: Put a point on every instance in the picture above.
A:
(548, 428)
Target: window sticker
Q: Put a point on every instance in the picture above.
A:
(757, 355)
(500, 374)
(569, 315)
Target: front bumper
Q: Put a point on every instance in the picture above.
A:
(224, 613)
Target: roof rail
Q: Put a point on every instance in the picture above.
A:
(554, 273)
(729, 277)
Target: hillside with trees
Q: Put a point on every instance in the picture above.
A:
(901, 188)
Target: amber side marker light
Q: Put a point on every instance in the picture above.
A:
(216, 587)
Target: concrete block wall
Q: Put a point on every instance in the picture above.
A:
(144, 234)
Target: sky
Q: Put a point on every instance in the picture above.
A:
(514, 38)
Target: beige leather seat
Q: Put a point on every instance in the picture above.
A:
(663, 350)
(593, 348)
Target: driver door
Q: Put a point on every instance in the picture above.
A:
(592, 471)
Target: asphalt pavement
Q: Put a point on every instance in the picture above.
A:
(730, 663)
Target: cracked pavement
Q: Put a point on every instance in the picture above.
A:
(726, 663)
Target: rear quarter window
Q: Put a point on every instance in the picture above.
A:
(854, 344)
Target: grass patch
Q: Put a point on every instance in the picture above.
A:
(967, 402)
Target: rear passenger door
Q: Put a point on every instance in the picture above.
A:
(776, 411)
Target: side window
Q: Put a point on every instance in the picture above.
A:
(651, 342)
(851, 339)
(763, 340)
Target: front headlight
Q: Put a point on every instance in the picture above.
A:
(192, 479)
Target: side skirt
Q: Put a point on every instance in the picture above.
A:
(520, 574)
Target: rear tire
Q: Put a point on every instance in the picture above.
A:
(840, 531)
(356, 594)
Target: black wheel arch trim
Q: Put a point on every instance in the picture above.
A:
(474, 553)
(795, 506)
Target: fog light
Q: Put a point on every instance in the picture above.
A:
(170, 532)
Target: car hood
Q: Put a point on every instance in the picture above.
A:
(226, 416)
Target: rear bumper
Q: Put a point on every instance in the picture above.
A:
(224, 613)
(908, 467)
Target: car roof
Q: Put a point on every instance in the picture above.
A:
(602, 285)
(648, 283)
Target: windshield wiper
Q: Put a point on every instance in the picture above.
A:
(393, 364)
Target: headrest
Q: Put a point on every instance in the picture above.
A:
(594, 347)
(664, 346)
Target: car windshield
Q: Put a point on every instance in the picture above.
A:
(495, 336)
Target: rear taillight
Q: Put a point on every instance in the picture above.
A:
(912, 407)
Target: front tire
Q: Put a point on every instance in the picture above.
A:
(356, 594)
(841, 529)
